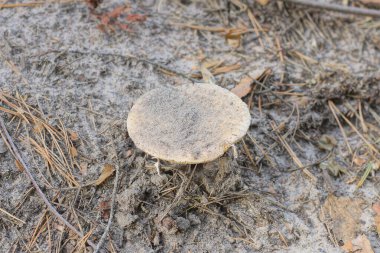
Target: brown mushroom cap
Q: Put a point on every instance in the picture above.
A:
(188, 124)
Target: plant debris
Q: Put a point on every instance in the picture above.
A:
(107, 171)
(312, 91)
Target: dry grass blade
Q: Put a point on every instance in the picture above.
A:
(38, 230)
(32, 4)
(293, 155)
(248, 153)
(51, 143)
(18, 157)
(12, 216)
(332, 108)
(370, 146)
(371, 166)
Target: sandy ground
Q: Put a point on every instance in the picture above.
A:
(56, 58)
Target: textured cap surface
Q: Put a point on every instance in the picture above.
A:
(188, 124)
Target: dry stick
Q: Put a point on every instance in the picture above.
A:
(271, 92)
(336, 7)
(105, 233)
(129, 56)
(355, 129)
(14, 150)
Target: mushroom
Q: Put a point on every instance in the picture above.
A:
(189, 124)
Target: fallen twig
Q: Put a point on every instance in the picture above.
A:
(8, 139)
(105, 233)
(337, 8)
(129, 56)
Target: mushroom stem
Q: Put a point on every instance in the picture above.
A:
(157, 166)
(234, 151)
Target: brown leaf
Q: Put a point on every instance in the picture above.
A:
(360, 244)
(108, 169)
(136, 18)
(234, 40)
(245, 85)
(376, 209)
(73, 152)
(73, 136)
(359, 161)
(243, 88)
(263, 2)
(344, 213)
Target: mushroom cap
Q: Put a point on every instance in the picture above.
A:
(188, 124)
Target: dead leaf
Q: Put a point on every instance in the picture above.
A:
(327, 142)
(73, 152)
(108, 169)
(376, 208)
(263, 2)
(136, 18)
(243, 88)
(73, 136)
(359, 161)
(360, 244)
(245, 85)
(234, 40)
(344, 214)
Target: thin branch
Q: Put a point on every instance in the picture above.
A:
(129, 56)
(337, 8)
(8, 139)
(105, 233)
